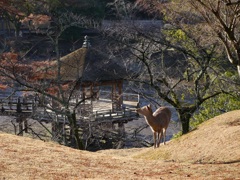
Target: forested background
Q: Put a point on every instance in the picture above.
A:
(184, 54)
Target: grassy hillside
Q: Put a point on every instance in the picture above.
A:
(210, 152)
(214, 141)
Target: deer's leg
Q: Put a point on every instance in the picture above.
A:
(158, 139)
(155, 139)
(164, 136)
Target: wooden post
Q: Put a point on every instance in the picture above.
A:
(117, 99)
(19, 117)
(25, 103)
(33, 106)
(120, 96)
(54, 128)
(20, 121)
(64, 131)
(121, 129)
(25, 125)
(19, 108)
(113, 96)
(83, 93)
(10, 103)
(2, 109)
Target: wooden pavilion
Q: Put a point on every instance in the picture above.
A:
(95, 71)
(101, 84)
(100, 71)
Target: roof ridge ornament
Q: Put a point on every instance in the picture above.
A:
(86, 43)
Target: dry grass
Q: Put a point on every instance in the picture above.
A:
(215, 141)
(210, 152)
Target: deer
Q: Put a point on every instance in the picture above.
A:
(158, 122)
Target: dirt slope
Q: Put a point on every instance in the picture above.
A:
(217, 140)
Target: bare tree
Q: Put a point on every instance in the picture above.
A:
(232, 3)
(223, 18)
(173, 65)
(216, 20)
(51, 79)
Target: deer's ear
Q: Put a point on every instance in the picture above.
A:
(149, 107)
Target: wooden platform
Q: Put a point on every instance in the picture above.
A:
(99, 111)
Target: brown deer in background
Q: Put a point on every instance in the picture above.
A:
(158, 121)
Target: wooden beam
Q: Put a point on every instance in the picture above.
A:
(102, 83)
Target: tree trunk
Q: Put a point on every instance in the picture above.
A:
(185, 126)
(184, 116)
(20, 121)
(238, 68)
(75, 139)
(17, 28)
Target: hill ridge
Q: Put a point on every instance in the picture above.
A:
(214, 141)
(200, 154)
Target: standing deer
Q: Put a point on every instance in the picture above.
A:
(158, 121)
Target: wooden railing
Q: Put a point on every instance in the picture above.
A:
(125, 96)
(15, 104)
(109, 114)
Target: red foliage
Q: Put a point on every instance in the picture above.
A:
(55, 89)
(37, 21)
(12, 68)
(9, 57)
(6, 5)
(3, 87)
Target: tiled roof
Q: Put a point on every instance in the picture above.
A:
(90, 64)
(100, 67)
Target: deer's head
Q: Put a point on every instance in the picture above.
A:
(145, 110)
